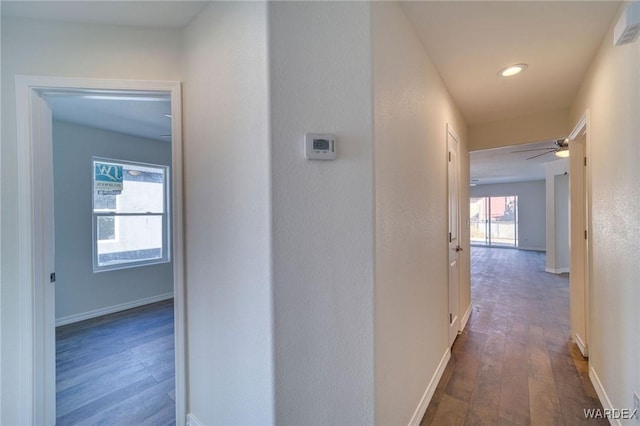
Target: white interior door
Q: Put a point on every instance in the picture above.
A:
(454, 239)
(579, 244)
(580, 228)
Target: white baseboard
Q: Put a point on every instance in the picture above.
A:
(431, 388)
(557, 270)
(465, 317)
(532, 248)
(192, 420)
(112, 309)
(604, 398)
(584, 350)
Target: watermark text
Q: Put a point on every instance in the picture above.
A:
(610, 413)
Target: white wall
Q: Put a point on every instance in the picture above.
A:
(610, 91)
(320, 74)
(59, 49)
(412, 108)
(78, 289)
(557, 214)
(561, 184)
(544, 125)
(228, 215)
(531, 209)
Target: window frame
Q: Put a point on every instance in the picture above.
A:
(165, 215)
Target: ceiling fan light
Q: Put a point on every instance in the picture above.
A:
(564, 153)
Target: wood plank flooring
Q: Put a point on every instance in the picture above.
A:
(514, 363)
(117, 369)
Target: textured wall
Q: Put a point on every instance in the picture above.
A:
(320, 73)
(610, 92)
(227, 213)
(412, 109)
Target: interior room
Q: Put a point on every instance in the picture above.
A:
(321, 248)
(113, 284)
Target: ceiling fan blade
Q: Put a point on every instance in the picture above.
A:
(539, 155)
(534, 149)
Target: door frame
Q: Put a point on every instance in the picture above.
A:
(35, 230)
(582, 130)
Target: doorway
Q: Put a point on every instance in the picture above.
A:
(485, 164)
(113, 262)
(35, 129)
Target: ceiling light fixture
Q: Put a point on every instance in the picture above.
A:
(562, 153)
(512, 70)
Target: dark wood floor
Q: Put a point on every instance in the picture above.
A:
(117, 369)
(514, 362)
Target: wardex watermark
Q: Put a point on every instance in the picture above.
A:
(610, 413)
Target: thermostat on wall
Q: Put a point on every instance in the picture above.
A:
(320, 146)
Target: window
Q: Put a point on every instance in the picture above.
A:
(494, 221)
(130, 220)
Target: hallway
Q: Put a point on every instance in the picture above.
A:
(514, 363)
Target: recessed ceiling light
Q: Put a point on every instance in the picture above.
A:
(512, 70)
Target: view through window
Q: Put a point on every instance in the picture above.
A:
(130, 224)
(494, 221)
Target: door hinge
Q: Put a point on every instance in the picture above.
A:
(585, 234)
(52, 277)
(450, 318)
(449, 156)
(585, 161)
(450, 237)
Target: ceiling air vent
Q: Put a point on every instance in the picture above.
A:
(628, 26)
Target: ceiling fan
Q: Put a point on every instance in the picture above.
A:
(560, 146)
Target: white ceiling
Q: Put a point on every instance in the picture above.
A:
(136, 115)
(468, 41)
(158, 14)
